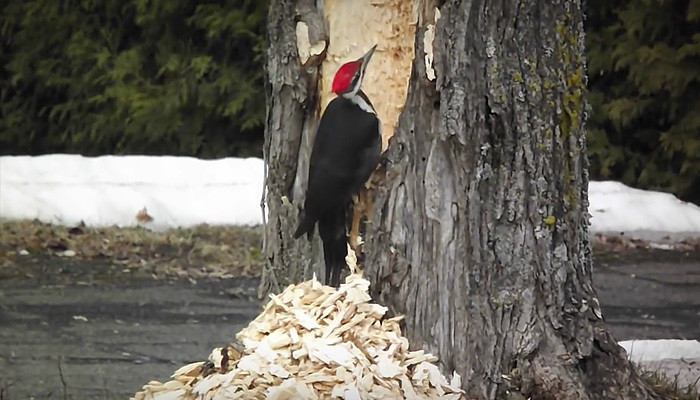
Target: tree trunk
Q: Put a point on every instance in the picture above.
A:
(297, 45)
(479, 235)
(480, 232)
(307, 41)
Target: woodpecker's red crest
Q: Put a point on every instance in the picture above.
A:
(345, 75)
(348, 79)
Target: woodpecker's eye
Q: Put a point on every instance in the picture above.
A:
(355, 79)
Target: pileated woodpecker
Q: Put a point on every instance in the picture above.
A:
(346, 150)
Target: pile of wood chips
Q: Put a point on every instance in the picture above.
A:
(314, 342)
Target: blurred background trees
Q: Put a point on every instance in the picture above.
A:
(138, 76)
(186, 78)
(644, 82)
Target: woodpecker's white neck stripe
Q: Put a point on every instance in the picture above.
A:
(360, 101)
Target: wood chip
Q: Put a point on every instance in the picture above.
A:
(312, 342)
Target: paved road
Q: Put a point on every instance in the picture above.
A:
(111, 338)
(650, 300)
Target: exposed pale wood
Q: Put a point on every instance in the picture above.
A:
(363, 209)
(355, 26)
(314, 342)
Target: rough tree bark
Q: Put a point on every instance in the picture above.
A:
(479, 235)
(480, 232)
(291, 89)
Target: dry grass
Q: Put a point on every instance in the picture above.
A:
(668, 387)
(199, 252)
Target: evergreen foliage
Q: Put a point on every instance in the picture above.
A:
(644, 80)
(186, 78)
(137, 76)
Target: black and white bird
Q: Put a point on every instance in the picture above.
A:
(346, 151)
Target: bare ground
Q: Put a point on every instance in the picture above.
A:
(128, 253)
(88, 313)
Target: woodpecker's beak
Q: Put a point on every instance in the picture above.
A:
(356, 82)
(365, 59)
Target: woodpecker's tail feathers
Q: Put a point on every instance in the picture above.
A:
(334, 252)
(331, 228)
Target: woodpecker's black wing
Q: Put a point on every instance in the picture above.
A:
(346, 150)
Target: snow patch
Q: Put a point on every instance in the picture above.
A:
(616, 207)
(112, 190)
(640, 351)
(184, 191)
